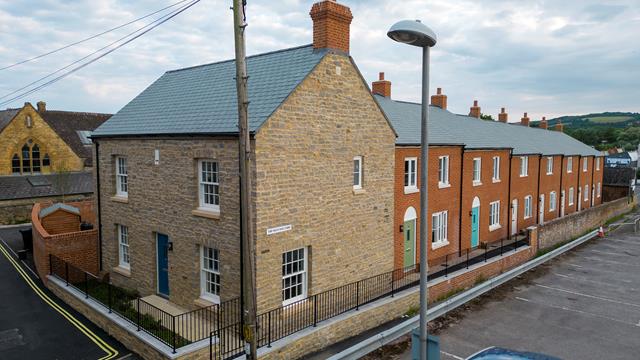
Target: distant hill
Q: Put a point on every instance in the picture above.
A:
(604, 119)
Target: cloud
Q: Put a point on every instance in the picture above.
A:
(547, 58)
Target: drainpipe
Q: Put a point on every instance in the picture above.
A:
(460, 208)
(509, 226)
(579, 191)
(593, 191)
(97, 165)
(538, 196)
(562, 198)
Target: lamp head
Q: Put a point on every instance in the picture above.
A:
(412, 32)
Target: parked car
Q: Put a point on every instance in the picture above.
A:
(498, 353)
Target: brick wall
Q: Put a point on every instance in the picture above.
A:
(79, 248)
(19, 211)
(551, 183)
(574, 225)
(610, 193)
(522, 186)
(304, 178)
(60, 222)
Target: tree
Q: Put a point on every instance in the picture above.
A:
(486, 117)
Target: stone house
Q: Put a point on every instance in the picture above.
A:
(488, 180)
(168, 185)
(36, 146)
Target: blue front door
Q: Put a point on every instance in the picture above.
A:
(475, 225)
(163, 264)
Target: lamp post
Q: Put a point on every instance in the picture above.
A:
(417, 34)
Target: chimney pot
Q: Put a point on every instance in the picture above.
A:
(381, 76)
(439, 99)
(42, 106)
(475, 110)
(503, 116)
(331, 23)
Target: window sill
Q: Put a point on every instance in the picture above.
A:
(444, 185)
(206, 301)
(122, 271)
(495, 227)
(120, 199)
(439, 244)
(206, 213)
(524, 175)
(411, 190)
(526, 217)
(298, 300)
(549, 173)
(495, 181)
(477, 183)
(359, 191)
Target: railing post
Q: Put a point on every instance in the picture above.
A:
(211, 345)
(393, 282)
(173, 330)
(446, 265)
(269, 333)
(501, 246)
(138, 313)
(109, 296)
(66, 272)
(467, 258)
(358, 295)
(86, 285)
(485, 252)
(50, 265)
(315, 310)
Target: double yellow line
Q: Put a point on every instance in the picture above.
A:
(111, 353)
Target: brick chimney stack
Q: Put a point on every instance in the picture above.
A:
(42, 106)
(543, 123)
(475, 110)
(525, 120)
(382, 86)
(331, 22)
(559, 126)
(439, 99)
(503, 116)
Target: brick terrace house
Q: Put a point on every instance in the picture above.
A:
(488, 180)
(168, 184)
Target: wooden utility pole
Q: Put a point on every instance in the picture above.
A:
(246, 213)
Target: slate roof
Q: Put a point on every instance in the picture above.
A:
(202, 99)
(6, 116)
(446, 127)
(67, 124)
(59, 206)
(33, 186)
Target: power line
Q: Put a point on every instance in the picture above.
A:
(90, 37)
(54, 80)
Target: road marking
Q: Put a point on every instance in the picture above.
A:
(451, 355)
(22, 261)
(605, 252)
(580, 278)
(579, 312)
(110, 351)
(589, 296)
(609, 261)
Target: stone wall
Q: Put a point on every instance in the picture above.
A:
(79, 248)
(304, 170)
(19, 211)
(576, 224)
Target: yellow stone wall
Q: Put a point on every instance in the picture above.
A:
(16, 134)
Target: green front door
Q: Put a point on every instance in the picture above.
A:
(409, 243)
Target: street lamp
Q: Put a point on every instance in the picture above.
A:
(418, 34)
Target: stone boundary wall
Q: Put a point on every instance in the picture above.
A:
(19, 210)
(79, 248)
(390, 308)
(130, 338)
(573, 225)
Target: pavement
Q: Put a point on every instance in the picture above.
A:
(584, 304)
(35, 324)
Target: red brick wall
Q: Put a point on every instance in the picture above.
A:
(597, 179)
(524, 186)
(585, 179)
(79, 248)
(570, 180)
(549, 183)
(439, 199)
(60, 222)
(487, 192)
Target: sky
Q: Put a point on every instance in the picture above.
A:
(547, 58)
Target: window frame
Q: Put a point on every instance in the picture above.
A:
(439, 233)
(586, 192)
(494, 215)
(122, 179)
(477, 181)
(124, 256)
(597, 164)
(524, 166)
(599, 190)
(303, 273)
(571, 195)
(549, 165)
(496, 169)
(358, 185)
(202, 184)
(585, 164)
(528, 207)
(553, 199)
(569, 164)
(443, 171)
(215, 273)
(410, 174)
